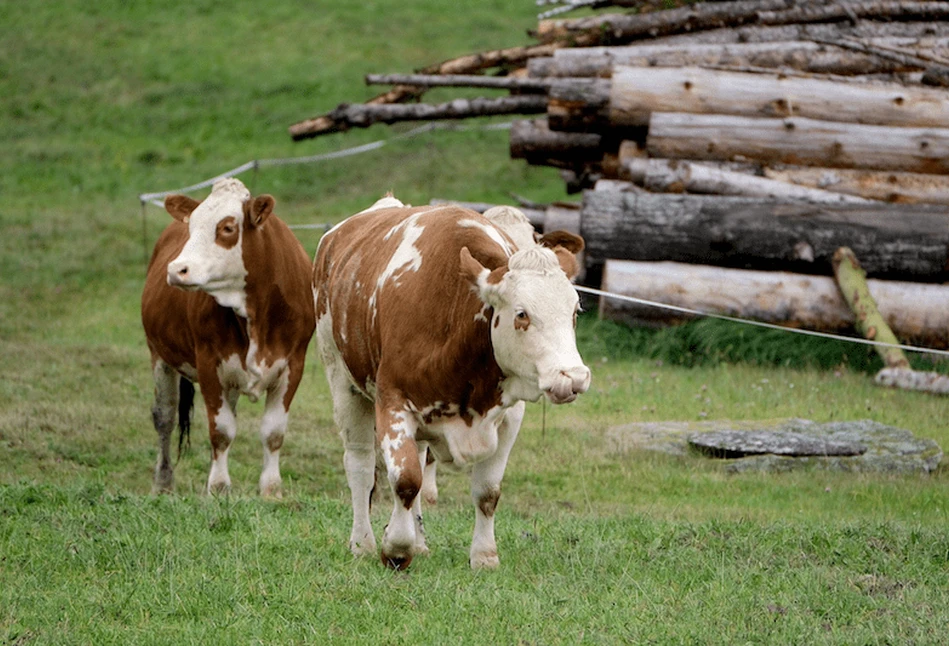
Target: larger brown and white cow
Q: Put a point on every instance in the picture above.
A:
(228, 304)
(435, 328)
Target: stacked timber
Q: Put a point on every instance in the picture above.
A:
(724, 137)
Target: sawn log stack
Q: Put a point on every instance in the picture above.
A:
(747, 135)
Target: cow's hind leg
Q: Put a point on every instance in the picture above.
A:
(396, 428)
(486, 490)
(164, 412)
(355, 419)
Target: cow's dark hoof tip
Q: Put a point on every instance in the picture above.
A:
(395, 562)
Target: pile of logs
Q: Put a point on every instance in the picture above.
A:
(726, 150)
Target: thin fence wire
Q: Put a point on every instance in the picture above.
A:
(763, 324)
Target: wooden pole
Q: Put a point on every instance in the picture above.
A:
(852, 280)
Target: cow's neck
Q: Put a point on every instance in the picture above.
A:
(515, 389)
(235, 299)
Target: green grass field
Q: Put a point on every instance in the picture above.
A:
(103, 101)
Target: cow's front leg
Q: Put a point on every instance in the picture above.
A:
(163, 417)
(486, 479)
(396, 427)
(222, 426)
(273, 428)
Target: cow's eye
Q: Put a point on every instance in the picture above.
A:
(522, 320)
(229, 229)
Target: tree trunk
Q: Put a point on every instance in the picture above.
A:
(672, 176)
(360, 115)
(852, 281)
(904, 243)
(799, 55)
(798, 141)
(621, 28)
(816, 31)
(637, 92)
(534, 141)
(896, 187)
(916, 312)
(617, 28)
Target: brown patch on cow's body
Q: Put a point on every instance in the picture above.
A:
(488, 502)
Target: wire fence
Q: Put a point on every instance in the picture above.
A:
(156, 199)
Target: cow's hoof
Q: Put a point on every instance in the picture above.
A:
(164, 482)
(274, 490)
(485, 561)
(396, 562)
(222, 487)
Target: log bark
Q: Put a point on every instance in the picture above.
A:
(930, 382)
(863, 29)
(360, 115)
(612, 28)
(580, 106)
(936, 74)
(916, 312)
(852, 281)
(534, 141)
(636, 92)
(896, 187)
(471, 63)
(673, 176)
(461, 80)
(798, 141)
(620, 28)
(812, 57)
(908, 242)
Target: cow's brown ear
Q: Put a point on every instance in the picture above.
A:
(568, 262)
(257, 211)
(180, 207)
(569, 241)
(486, 282)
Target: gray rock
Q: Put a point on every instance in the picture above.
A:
(873, 447)
(739, 444)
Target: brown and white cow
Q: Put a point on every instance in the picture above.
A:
(228, 304)
(434, 329)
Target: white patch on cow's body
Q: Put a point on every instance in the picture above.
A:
(406, 256)
(458, 444)
(514, 223)
(387, 202)
(205, 265)
(490, 231)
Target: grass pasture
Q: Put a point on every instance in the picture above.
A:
(102, 101)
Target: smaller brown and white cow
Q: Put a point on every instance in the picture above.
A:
(228, 304)
(435, 325)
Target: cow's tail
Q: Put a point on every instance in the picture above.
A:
(185, 408)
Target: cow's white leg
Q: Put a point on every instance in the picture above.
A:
(429, 480)
(355, 418)
(420, 546)
(273, 428)
(396, 427)
(163, 416)
(486, 490)
(222, 421)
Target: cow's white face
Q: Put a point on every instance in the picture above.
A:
(533, 326)
(212, 259)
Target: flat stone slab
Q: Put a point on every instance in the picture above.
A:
(740, 444)
(858, 446)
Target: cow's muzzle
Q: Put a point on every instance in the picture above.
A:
(564, 386)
